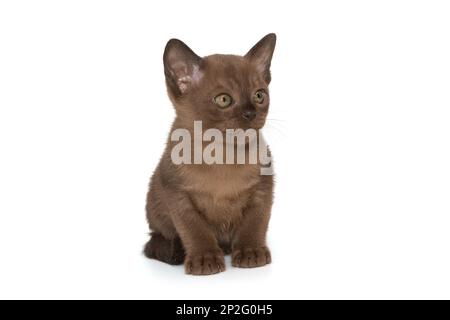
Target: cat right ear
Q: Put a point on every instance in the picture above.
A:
(181, 66)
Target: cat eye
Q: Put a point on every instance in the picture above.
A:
(223, 100)
(259, 96)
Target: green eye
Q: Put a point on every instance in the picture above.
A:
(223, 100)
(259, 96)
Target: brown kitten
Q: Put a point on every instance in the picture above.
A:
(198, 212)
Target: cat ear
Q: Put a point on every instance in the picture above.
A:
(261, 54)
(181, 66)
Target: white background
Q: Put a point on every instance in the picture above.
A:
(359, 130)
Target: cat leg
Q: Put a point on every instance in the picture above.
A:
(203, 254)
(249, 249)
(164, 244)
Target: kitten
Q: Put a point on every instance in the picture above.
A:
(199, 212)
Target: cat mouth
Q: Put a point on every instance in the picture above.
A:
(243, 127)
(255, 125)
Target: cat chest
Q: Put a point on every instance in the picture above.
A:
(220, 199)
(220, 211)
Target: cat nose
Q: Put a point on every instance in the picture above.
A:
(249, 114)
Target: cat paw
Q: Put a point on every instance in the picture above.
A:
(251, 257)
(205, 263)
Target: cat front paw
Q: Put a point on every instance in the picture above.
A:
(205, 263)
(251, 257)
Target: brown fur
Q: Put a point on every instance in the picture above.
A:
(199, 212)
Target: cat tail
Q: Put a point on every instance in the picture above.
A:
(170, 251)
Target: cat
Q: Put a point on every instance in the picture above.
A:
(199, 212)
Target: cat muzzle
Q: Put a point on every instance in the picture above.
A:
(249, 115)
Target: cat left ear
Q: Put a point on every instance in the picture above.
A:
(181, 66)
(261, 54)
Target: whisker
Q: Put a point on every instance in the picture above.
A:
(273, 119)
(279, 125)
(281, 132)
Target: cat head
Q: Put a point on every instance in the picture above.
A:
(223, 91)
